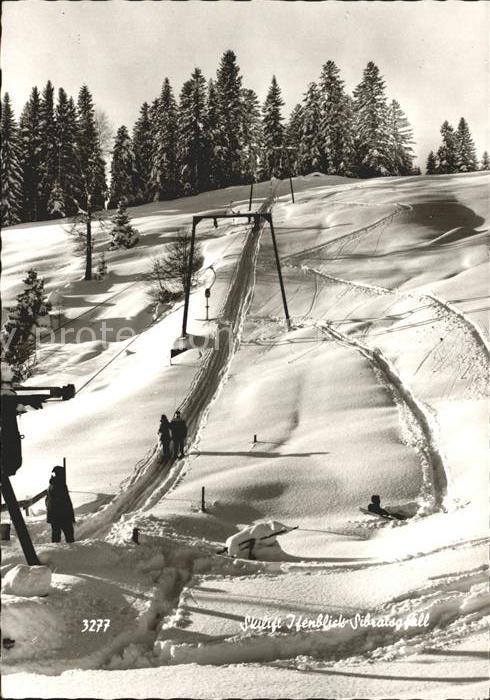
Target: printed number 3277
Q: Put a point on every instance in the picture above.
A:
(95, 625)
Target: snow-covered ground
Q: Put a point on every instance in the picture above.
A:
(380, 386)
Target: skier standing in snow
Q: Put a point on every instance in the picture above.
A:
(178, 428)
(165, 437)
(59, 508)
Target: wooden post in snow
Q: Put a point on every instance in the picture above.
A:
(203, 500)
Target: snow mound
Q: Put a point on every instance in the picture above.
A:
(27, 581)
(253, 539)
(33, 625)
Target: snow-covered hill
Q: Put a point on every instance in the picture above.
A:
(380, 386)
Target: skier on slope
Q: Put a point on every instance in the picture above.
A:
(178, 429)
(375, 507)
(59, 508)
(165, 437)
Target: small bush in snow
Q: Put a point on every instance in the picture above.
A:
(167, 276)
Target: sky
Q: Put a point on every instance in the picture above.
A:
(434, 56)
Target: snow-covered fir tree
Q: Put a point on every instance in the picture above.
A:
(216, 140)
(47, 128)
(466, 159)
(164, 173)
(91, 164)
(447, 153)
(68, 170)
(143, 150)
(56, 202)
(485, 161)
(122, 169)
(228, 88)
(401, 140)
(311, 158)
(335, 124)
(193, 146)
(372, 140)
(154, 118)
(18, 333)
(273, 133)
(431, 168)
(251, 135)
(123, 235)
(292, 137)
(11, 169)
(101, 271)
(31, 145)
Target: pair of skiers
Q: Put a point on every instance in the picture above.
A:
(59, 508)
(176, 432)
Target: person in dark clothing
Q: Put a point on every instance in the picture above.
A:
(59, 508)
(178, 428)
(375, 507)
(165, 437)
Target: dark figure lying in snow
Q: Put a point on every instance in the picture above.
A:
(375, 507)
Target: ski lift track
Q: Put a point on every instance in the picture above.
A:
(149, 482)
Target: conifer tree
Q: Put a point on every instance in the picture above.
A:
(123, 235)
(431, 168)
(31, 146)
(273, 133)
(465, 148)
(122, 169)
(67, 173)
(485, 161)
(101, 270)
(11, 170)
(56, 202)
(193, 146)
(293, 136)
(164, 176)
(18, 333)
(335, 122)
(216, 141)
(91, 164)
(228, 88)
(401, 140)
(311, 157)
(447, 152)
(47, 129)
(143, 150)
(251, 135)
(372, 142)
(91, 186)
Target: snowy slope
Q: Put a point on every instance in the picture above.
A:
(380, 387)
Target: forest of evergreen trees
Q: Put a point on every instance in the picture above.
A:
(216, 134)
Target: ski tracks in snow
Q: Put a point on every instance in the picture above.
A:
(149, 482)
